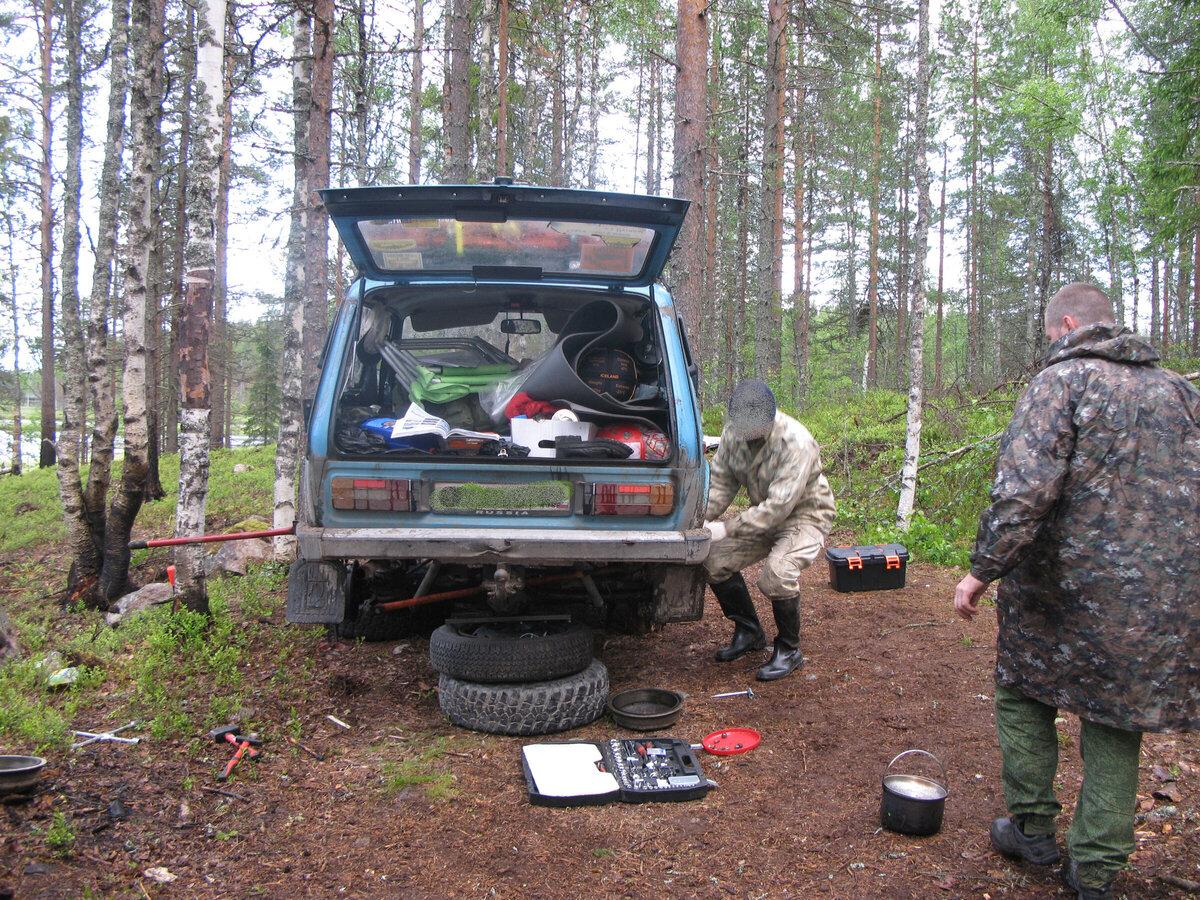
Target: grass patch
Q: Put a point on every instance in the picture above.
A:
(427, 767)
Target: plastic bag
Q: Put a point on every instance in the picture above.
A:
(495, 398)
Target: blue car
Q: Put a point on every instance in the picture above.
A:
(506, 422)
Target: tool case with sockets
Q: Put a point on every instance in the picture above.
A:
(621, 770)
(877, 568)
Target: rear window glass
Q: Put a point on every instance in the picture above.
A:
(446, 245)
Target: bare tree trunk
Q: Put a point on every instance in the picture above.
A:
(973, 348)
(799, 205)
(1166, 298)
(594, 103)
(916, 368)
(652, 131)
(46, 454)
(84, 549)
(486, 54)
(104, 411)
(768, 319)
(195, 384)
(164, 388)
(937, 365)
(1154, 324)
(414, 95)
(558, 97)
(219, 349)
(873, 240)
(316, 254)
(502, 76)
(1048, 225)
(18, 394)
(712, 308)
(146, 68)
(691, 106)
(458, 136)
(287, 451)
(1196, 294)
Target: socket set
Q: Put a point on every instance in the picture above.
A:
(625, 770)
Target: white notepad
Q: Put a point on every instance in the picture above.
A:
(568, 770)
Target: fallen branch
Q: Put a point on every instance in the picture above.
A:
(225, 793)
(892, 481)
(1186, 884)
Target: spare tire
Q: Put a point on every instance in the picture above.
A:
(539, 707)
(510, 651)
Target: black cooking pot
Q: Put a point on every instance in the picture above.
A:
(913, 804)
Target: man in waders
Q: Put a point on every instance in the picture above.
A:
(776, 460)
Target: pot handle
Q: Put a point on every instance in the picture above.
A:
(923, 752)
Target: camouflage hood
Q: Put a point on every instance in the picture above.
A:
(1114, 342)
(1091, 531)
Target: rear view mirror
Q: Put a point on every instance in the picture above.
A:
(521, 326)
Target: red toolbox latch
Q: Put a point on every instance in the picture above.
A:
(853, 562)
(893, 561)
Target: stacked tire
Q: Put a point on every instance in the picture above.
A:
(518, 678)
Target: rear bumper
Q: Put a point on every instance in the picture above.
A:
(534, 546)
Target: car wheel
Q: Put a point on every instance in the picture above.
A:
(519, 651)
(537, 707)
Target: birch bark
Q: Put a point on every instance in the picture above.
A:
(195, 382)
(916, 368)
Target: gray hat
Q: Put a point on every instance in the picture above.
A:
(751, 411)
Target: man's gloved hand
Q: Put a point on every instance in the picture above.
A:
(716, 531)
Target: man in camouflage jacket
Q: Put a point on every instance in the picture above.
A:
(1095, 510)
(791, 509)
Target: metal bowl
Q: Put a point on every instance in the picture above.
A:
(645, 709)
(19, 774)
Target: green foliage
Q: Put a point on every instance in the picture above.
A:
(30, 512)
(158, 665)
(862, 448)
(426, 767)
(31, 715)
(59, 835)
(263, 402)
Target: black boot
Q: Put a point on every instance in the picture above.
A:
(735, 601)
(787, 656)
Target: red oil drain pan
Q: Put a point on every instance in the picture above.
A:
(729, 741)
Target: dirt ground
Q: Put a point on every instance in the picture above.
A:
(799, 816)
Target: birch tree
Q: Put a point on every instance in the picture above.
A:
(287, 446)
(195, 382)
(145, 68)
(916, 368)
(70, 443)
(46, 455)
(88, 349)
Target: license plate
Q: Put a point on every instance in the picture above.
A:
(543, 498)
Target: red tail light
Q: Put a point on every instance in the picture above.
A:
(394, 494)
(609, 499)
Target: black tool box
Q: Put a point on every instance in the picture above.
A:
(622, 770)
(877, 568)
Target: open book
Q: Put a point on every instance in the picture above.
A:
(416, 422)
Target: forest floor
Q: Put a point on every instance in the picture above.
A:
(402, 804)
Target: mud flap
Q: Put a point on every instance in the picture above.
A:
(316, 592)
(678, 593)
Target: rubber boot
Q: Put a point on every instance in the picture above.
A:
(786, 656)
(748, 635)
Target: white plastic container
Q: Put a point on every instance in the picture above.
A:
(531, 432)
